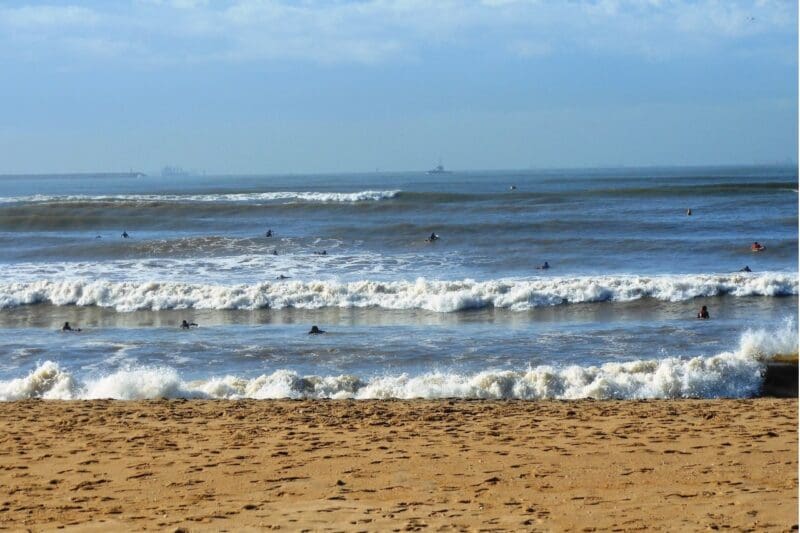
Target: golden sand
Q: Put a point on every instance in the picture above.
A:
(403, 465)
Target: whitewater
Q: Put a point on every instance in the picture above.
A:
(431, 295)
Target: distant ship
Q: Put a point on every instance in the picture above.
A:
(439, 169)
(172, 172)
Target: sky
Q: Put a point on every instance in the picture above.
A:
(278, 86)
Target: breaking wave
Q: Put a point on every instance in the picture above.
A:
(732, 374)
(359, 196)
(431, 295)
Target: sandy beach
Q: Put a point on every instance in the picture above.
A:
(399, 465)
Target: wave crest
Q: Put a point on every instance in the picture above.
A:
(431, 295)
(310, 196)
(732, 374)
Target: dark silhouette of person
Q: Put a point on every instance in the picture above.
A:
(315, 331)
(688, 212)
(274, 252)
(703, 313)
(269, 233)
(125, 234)
(545, 266)
(67, 327)
(757, 246)
(433, 237)
(187, 325)
(282, 277)
(746, 269)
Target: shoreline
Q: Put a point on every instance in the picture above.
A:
(384, 464)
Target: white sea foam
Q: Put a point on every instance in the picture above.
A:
(358, 196)
(732, 374)
(438, 296)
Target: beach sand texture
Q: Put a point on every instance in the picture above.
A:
(399, 465)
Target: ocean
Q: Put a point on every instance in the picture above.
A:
(468, 315)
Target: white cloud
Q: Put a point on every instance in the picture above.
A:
(44, 16)
(379, 30)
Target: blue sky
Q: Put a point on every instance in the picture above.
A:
(267, 86)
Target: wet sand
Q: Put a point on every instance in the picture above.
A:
(404, 465)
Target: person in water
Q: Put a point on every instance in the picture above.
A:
(703, 313)
(689, 212)
(746, 269)
(545, 266)
(125, 234)
(315, 331)
(282, 277)
(757, 246)
(274, 252)
(269, 233)
(433, 237)
(187, 325)
(67, 327)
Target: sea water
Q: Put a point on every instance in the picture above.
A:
(468, 315)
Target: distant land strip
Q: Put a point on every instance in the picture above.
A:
(77, 175)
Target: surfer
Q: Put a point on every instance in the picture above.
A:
(282, 277)
(67, 327)
(689, 212)
(315, 331)
(545, 266)
(432, 238)
(756, 247)
(274, 252)
(703, 313)
(125, 234)
(513, 188)
(187, 325)
(746, 269)
(269, 233)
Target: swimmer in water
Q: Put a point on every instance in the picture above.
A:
(756, 246)
(432, 238)
(274, 252)
(315, 331)
(187, 325)
(746, 269)
(282, 277)
(545, 266)
(67, 327)
(125, 234)
(703, 313)
(269, 233)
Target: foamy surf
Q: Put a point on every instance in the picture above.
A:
(731, 374)
(431, 295)
(310, 196)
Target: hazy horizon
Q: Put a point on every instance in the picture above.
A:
(280, 87)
